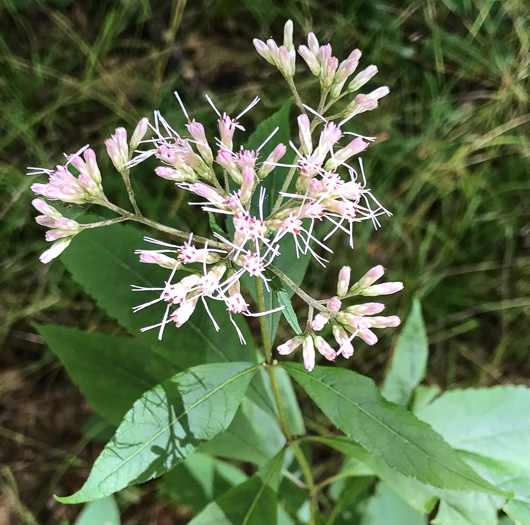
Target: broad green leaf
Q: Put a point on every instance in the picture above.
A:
(100, 512)
(493, 422)
(166, 425)
(254, 502)
(409, 360)
(418, 496)
(252, 436)
(200, 479)
(467, 508)
(112, 372)
(354, 404)
(352, 501)
(386, 507)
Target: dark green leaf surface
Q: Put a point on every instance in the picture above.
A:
(388, 431)
(409, 361)
(200, 479)
(167, 424)
(254, 502)
(283, 297)
(112, 372)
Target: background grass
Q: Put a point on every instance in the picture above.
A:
(451, 163)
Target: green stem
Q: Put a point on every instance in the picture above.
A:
(306, 469)
(296, 289)
(283, 189)
(279, 405)
(127, 181)
(128, 216)
(267, 343)
(296, 96)
(102, 223)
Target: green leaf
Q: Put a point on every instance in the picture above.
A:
(254, 502)
(386, 507)
(112, 372)
(354, 404)
(519, 511)
(252, 436)
(418, 496)
(493, 422)
(200, 479)
(100, 512)
(104, 263)
(167, 424)
(284, 299)
(214, 226)
(409, 361)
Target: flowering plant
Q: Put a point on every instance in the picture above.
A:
(271, 206)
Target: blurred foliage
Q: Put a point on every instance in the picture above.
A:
(451, 160)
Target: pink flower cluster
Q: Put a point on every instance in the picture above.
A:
(349, 322)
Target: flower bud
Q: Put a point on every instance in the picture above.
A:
(362, 78)
(342, 338)
(56, 250)
(173, 174)
(385, 322)
(247, 185)
(318, 323)
(370, 277)
(209, 193)
(263, 50)
(383, 289)
(312, 43)
(365, 309)
(288, 35)
(278, 152)
(335, 304)
(304, 132)
(308, 350)
(310, 59)
(139, 133)
(344, 281)
(154, 257)
(289, 346)
(378, 93)
(325, 349)
(355, 147)
(42, 206)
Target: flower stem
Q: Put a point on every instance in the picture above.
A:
(296, 289)
(127, 181)
(284, 188)
(265, 340)
(296, 96)
(128, 216)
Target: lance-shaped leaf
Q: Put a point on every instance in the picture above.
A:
(354, 404)
(419, 496)
(167, 424)
(254, 502)
(409, 361)
(112, 372)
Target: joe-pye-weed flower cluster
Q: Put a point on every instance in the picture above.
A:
(325, 182)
